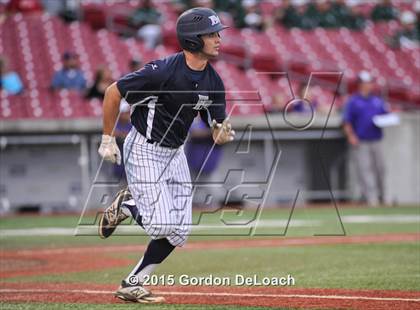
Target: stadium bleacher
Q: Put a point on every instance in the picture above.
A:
(33, 44)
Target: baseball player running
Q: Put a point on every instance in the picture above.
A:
(165, 97)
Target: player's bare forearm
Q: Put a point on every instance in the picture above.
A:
(111, 106)
(349, 132)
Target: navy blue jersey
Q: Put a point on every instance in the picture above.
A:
(166, 95)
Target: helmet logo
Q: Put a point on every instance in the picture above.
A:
(214, 20)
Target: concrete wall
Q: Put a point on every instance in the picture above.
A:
(60, 175)
(41, 176)
(402, 155)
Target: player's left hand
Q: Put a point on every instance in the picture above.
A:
(223, 132)
(109, 150)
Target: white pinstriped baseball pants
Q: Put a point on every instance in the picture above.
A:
(159, 180)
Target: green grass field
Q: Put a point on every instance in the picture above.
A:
(386, 266)
(328, 223)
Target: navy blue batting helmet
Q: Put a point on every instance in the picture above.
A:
(193, 23)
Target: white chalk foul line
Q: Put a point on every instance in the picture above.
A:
(134, 229)
(93, 292)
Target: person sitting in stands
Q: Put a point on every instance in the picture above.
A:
(384, 11)
(103, 78)
(9, 81)
(70, 76)
(288, 15)
(135, 64)
(409, 35)
(147, 20)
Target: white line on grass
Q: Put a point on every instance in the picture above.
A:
(92, 292)
(134, 229)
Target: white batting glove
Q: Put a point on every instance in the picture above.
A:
(222, 132)
(109, 150)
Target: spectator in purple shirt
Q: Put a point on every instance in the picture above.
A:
(365, 137)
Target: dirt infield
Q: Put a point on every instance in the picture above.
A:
(255, 296)
(50, 261)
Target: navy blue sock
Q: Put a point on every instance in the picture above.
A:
(135, 214)
(156, 252)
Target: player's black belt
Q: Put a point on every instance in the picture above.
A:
(150, 141)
